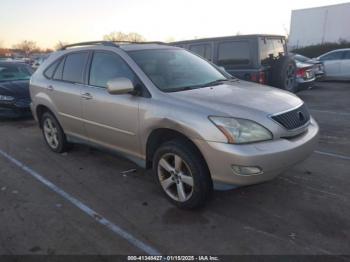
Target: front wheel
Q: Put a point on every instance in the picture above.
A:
(180, 172)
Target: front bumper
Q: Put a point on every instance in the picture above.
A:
(17, 108)
(273, 157)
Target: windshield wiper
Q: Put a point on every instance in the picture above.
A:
(216, 82)
(212, 83)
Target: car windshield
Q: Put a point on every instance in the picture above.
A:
(14, 72)
(173, 70)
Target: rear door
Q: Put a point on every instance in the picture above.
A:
(345, 66)
(110, 120)
(332, 63)
(65, 90)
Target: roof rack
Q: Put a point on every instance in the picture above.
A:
(106, 43)
(109, 43)
(140, 43)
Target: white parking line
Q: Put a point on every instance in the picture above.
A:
(332, 155)
(87, 210)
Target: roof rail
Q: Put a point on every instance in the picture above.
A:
(140, 43)
(109, 43)
(106, 43)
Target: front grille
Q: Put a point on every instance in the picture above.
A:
(294, 118)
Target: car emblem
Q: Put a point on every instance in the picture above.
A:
(301, 116)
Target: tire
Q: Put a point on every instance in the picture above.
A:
(171, 180)
(51, 128)
(283, 74)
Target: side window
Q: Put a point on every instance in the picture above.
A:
(106, 66)
(332, 56)
(51, 69)
(58, 73)
(347, 55)
(74, 67)
(231, 54)
(204, 50)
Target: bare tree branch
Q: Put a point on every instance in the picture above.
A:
(60, 44)
(27, 47)
(120, 36)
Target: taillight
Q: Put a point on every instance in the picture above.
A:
(301, 72)
(262, 78)
(259, 78)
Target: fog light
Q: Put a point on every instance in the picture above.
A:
(246, 170)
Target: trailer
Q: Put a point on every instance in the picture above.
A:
(326, 24)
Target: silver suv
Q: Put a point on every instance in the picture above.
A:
(170, 110)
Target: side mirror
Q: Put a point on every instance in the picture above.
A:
(119, 86)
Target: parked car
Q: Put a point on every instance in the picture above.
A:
(318, 66)
(170, 110)
(14, 89)
(336, 64)
(38, 61)
(305, 75)
(258, 58)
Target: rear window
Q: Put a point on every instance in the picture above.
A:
(332, 56)
(74, 67)
(51, 69)
(204, 50)
(231, 54)
(271, 48)
(58, 73)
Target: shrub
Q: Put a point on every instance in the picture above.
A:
(317, 50)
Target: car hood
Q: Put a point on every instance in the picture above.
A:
(239, 99)
(19, 89)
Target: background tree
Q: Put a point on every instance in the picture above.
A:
(27, 47)
(170, 39)
(135, 37)
(60, 44)
(120, 36)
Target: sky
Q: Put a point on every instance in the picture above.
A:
(48, 21)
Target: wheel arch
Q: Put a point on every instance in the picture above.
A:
(161, 135)
(40, 110)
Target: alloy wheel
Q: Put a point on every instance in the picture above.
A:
(51, 133)
(175, 177)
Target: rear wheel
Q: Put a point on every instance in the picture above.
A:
(180, 172)
(53, 133)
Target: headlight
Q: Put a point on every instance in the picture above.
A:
(239, 131)
(6, 98)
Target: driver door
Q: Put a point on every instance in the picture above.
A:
(110, 120)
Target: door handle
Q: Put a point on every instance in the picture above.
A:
(86, 96)
(50, 88)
